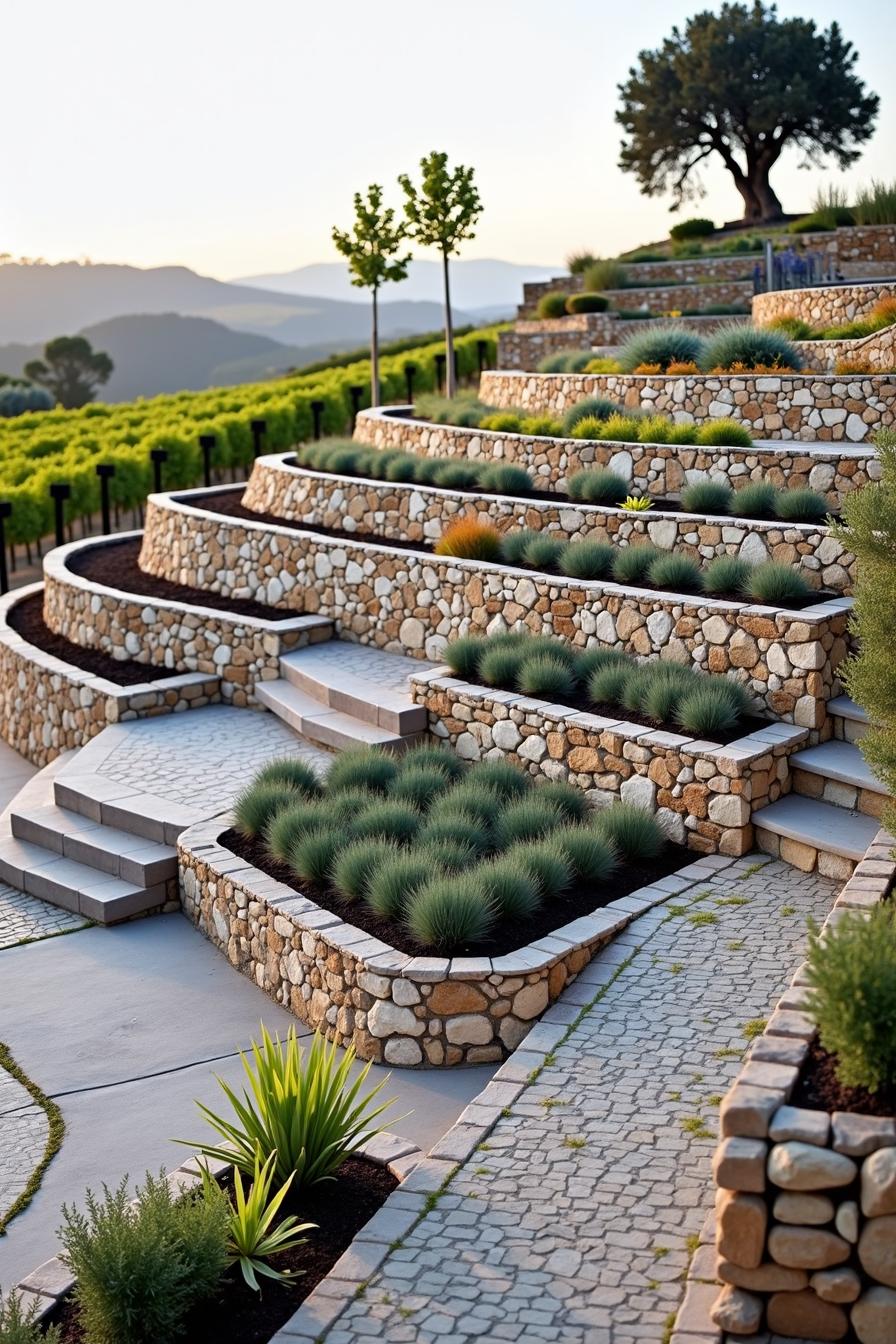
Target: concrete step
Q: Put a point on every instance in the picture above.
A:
(354, 679)
(108, 849)
(813, 834)
(836, 772)
(325, 726)
(850, 720)
(74, 886)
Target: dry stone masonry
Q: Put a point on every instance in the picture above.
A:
(529, 341)
(824, 306)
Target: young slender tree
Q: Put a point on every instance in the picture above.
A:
(373, 250)
(442, 213)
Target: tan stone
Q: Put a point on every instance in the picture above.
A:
(739, 1164)
(836, 1285)
(806, 1247)
(874, 1316)
(802, 1166)
(806, 1316)
(803, 1209)
(877, 1249)
(741, 1227)
(766, 1278)
(469, 1029)
(879, 1183)
(737, 1311)
(455, 996)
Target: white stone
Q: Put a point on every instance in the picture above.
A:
(506, 735)
(639, 791)
(659, 628)
(386, 1018)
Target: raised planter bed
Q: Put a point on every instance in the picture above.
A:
(51, 704)
(413, 603)
(811, 407)
(158, 630)
(822, 305)
(703, 793)
(528, 341)
(406, 512)
(806, 1217)
(656, 469)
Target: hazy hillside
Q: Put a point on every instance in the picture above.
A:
(38, 302)
(480, 287)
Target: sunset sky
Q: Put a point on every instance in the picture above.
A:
(230, 137)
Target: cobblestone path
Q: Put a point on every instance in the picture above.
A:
(25, 918)
(576, 1220)
(23, 1138)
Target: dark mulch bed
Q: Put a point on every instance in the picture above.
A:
(818, 1089)
(115, 565)
(27, 619)
(552, 915)
(228, 503)
(239, 1316)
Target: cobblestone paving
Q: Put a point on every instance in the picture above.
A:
(23, 1137)
(573, 1223)
(25, 918)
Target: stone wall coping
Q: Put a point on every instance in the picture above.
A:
(202, 841)
(182, 503)
(765, 382)
(56, 569)
(49, 663)
(810, 290)
(744, 749)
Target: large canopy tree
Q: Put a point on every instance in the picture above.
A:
(745, 85)
(71, 370)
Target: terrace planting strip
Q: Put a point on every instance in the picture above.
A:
(660, 470)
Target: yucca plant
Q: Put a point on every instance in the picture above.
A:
(636, 503)
(253, 1236)
(302, 1107)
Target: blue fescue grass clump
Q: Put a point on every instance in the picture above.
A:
(660, 345)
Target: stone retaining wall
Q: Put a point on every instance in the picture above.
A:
(414, 603)
(782, 406)
(48, 706)
(876, 351)
(702, 271)
(393, 1008)
(822, 306)
(806, 1209)
(703, 794)
(528, 342)
(237, 650)
(418, 513)
(657, 297)
(658, 469)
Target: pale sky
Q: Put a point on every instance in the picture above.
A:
(230, 136)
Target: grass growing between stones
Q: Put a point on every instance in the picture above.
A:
(55, 1135)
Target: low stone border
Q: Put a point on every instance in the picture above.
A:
(660, 470)
(703, 794)
(820, 1257)
(822, 305)
(48, 1285)
(528, 341)
(733, 285)
(393, 1008)
(48, 706)
(422, 512)
(809, 407)
(682, 269)
(238, 650)
(413, 603)
(878, 350)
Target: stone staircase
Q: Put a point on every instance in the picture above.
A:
(832, 813)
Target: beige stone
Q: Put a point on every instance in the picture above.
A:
(737, 1311)
(765, 1278)
(803, 1209)
(877, 1249)
(741, 1222)
(806, 1247)
(469, 1029)
(455, 996)
(836, 1285)
(879, 1183)
(531, 1000)
(802, 1166)
(846, 1220)
(806, 1316)
(874, 1316)
(739, 1164)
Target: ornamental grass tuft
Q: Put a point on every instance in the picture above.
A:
(513, 893)
(545, 677)
(744, 347)
(597, 486)
(469, 539)
(528, 818)
(678, 573)
(546, 862)
(775, 584)
(726, 576)
(592, 857)
(631, 564)
(713, 709)
(724, 433)
(596, 408)
(312, 855)
(706, 496)
(801, 506)
(362, 768)
(290, 823)
(386, 819)
(258, 804)
(354, 866)
(635, 834)
(395, 879)
(756, 500)
(463, 655)
(292, 772)
(451, 911)
(660, 345)
(587, 560)
(505, 479)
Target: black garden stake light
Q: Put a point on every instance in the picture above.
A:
(317, 410)
(157, 456)
(409, 373)
(207, 443)
(5, 511)
(60, 491)
(105, 471)
(440, 373)
(356, 393)
(259, 429)
(482, 353)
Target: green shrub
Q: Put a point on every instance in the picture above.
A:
(578, 262)
(569, 801)
(587, 303)
(726, 576)
(507, 780)
(604, 274)
(543, 426)
(691, 228)
(747, 347)
(501, 422)
(455, 476)
(463, 655)
(655, 429)
(505, 479)
(587, 560)
(791, 326)
(546, 678)
(19, 1325)
(546, 862)
(290, 823)
(309, 1109)
(513, 893)
(387, 820)
(257, 805)
(851, 977)
(499, 666)
(679, 573)
(457, 831)
(292, 772)
(635, 834)
(140, 1266)
(660, 345)
(526, 818)
(724, 433)
(396, 878)
(478, 801)
(597, 408)
(551, 305)
(420, 786)
(876, 204)
(595, 659)
(543, 552)
(755, 500)
(354, 866)
(607, 685)
(432, 756)
(312, 855)
(683, 433)
(344, 804)
(801, 506)
(565, 361)
(402, 467)
(713, 709)
(589, 427)
(618, 429)
(596, 486)
(632, 563)
(775, 584)
(449, 912)
(706, 496)
(592, 857)
(450, 855)
(362, 768)
(513, 544)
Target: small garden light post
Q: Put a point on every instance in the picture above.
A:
(440, 373)
(60, 491)
(105, 471)
(356, 393)
(482, 353)
(410, 371)
(317, 410)
(5, 511)
(157, 456)
(207, 443)
(259, 429)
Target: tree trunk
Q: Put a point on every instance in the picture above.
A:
(375, 353)
(450, 379)
(752, 206)
(769, 205)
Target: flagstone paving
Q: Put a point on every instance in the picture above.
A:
(25, 918)
(23, 1137)
(576, 1220)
